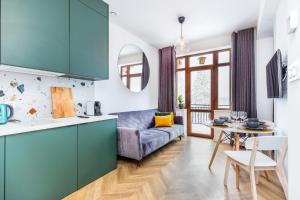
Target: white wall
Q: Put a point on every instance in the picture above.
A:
(287, 109)
(114, 96)
(294, 109)
(208, 44)
(264, 53)
(281, 42)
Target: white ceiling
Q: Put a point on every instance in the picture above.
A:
(155, 21)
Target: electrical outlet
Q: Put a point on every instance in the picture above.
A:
(294, 71)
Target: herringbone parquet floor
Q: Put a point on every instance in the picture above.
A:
(178, 171)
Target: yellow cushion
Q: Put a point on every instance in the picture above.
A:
(172, 117)
(163, 121)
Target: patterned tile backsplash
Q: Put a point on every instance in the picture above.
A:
(31, 98)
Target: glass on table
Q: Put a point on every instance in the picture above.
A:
(234, 115)
(242, 115)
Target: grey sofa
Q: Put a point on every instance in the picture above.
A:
(137, 136)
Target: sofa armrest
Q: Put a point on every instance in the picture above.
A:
(129, 143)
(178, 120)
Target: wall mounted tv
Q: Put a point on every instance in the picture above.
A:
(275, 76)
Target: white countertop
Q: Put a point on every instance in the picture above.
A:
(41, 124)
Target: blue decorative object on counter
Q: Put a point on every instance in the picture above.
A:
(6, 112)
(21, 88)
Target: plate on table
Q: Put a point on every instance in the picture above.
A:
(259, 128)
(219, 125)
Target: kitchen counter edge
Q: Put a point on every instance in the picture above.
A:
(13, 128)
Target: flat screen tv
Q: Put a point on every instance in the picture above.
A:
(275, 76)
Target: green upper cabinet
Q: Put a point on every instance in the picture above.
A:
(2, 168)
(66, 36)
(41, 165)
(35, 34)
(97, 150)
(89, 39)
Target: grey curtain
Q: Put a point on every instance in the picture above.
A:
(146, 72)
(243, 72)
(167, 78)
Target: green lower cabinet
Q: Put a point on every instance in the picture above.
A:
(2, 146)
(41, 165)
(97, 150)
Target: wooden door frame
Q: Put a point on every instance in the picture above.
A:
(214, 86)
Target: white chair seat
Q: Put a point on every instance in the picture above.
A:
(243, 157)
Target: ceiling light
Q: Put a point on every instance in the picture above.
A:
(181, 43)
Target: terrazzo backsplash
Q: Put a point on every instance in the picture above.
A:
(31, 98)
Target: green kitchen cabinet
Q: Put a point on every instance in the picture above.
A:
(89, 39)
(41, 165)
(97, 150)
(2, 150)
(35, 34)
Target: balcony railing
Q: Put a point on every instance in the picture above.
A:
(200, 117)
(200, 106)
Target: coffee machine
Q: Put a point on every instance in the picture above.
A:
(93, 108)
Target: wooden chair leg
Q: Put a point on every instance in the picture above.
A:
(216, 149)
(237, 177)
(253, 184)
(283, 180)
(228, 163)
(257, 177)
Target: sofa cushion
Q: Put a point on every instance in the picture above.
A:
(174, 131)
(153, 139)
(166, 114)
(136, 119)
(163, 121)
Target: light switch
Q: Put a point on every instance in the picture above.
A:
(294, 71)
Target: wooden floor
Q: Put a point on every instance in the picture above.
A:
(178, 171)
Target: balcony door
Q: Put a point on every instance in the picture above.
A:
(204, 82)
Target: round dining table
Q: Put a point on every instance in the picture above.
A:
(237, 129)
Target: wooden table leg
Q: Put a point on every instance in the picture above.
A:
(237, 148)
(216, 149)
(237, 141)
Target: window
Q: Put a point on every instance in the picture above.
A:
(132, 76)
(201, 60)
(201, 89)
(224, 87)
(224, 57)
(224, 79)
(181, 83)
(180, 63)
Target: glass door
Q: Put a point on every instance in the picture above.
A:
(203, 80)
(200, 101)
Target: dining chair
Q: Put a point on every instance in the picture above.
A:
(254, 161)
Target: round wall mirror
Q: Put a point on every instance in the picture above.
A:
(133, 68)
